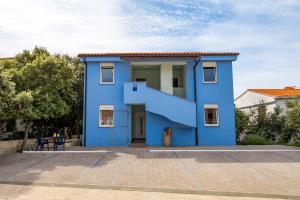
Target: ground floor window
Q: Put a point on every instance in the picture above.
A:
(106, 116)
(211, 115)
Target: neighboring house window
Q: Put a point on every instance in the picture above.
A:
(107, 73)
(106, 116)
(209, 72)
(175, 83)
(211, 115)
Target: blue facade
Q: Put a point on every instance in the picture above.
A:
(184, 115)
(181, 135)
(97, 94)
(220, 93)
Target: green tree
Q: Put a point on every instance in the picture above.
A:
(75, 117)
(274, 124)
(241, 123)
(292, 133)
(267, 125)
(7, 93)
(26, 111)
(293, 115)
(72, 121)
(45, 87)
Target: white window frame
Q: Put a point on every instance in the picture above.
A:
(207, 106)
(103, 65)
(210, 64)
(106, 107)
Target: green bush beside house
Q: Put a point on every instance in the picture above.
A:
(258, 128)
(254, 139)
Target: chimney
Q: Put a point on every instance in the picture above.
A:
(290, 87)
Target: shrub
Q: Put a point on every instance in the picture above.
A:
(293, 115)
(270, 126)
(284, 137)
(254, 139)
(296, 142)
(241, 124)
(275, 124)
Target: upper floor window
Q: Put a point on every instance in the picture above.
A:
(209, 72)
(106, 116)
(107, 73)
(211, 115)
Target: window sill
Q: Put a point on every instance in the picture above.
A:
(210, 82)
(106, 126)
(211, 125)
(107, 83)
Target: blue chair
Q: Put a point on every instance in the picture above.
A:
(41, 142)
(59, 141)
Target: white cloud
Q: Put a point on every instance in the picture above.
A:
(266, 33)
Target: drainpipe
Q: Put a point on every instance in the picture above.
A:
(84, 102)
(195, 93)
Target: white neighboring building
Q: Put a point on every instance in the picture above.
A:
(271, 98)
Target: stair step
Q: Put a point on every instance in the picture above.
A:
(137, 145)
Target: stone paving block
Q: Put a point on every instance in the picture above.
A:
(246, 172)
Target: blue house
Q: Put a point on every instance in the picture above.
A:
(131, 97)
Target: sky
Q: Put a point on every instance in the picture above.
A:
(265, 32)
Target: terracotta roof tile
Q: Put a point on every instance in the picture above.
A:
(160, 54)
(286, 92)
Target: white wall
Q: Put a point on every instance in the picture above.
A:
(250, 98)
(166, 76)
(281, 102)
(269, 108)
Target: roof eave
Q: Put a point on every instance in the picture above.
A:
(159, 54)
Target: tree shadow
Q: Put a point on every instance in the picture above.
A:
(31, 168)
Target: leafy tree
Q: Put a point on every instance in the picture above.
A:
(257, 118)
(71, 123)
(7, 93)
(274, 124)
(26, 111)
(293, 122)
(261, 124)
(75, 117)
(241, 123)
(45, 87)
(293, 115)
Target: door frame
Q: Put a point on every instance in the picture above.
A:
(143, 113)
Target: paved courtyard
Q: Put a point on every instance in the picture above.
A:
(232, 172)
